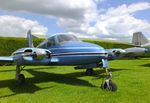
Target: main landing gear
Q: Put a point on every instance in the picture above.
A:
(19, 77)
(108, 84)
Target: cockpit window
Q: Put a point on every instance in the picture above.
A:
(42, 45)
(47, 43)
(64, 38)
(51, 41)
(57, 39)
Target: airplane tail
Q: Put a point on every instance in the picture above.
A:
(139, 39)
(29, 39)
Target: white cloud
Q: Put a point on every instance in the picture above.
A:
(124, 9)
(72, 15)
(120, 23)
(77, 15)
(74, 9)
(17, 27)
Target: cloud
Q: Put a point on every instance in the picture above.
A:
(124, 9)
(84, 16)
(74, 9)
(119, 23)
(71, 15)
(17, 27)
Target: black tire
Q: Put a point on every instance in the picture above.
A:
(21, 79)
(112, 86)
(89, 72)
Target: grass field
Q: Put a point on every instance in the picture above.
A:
(66, 85)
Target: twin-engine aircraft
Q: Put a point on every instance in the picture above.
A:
(66, 49)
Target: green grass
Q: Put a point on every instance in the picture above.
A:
(66, 85)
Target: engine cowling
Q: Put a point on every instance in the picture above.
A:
(41, 54)
(135, 51)
(36, 53)
(115, 53)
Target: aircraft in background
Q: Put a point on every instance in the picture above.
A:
(141, 46)
(140, 40)
(65, 49)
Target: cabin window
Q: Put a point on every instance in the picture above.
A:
(42, 45)
(51, 41)
(57, 39)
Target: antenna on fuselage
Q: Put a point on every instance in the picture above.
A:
(29, 39)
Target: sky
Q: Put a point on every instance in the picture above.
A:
(103, 19)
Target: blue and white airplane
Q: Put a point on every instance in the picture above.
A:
(64, 49)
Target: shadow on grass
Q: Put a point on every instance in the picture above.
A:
(40, 77)
(19, 89)
(52, 67)
(102, 73)
(43, 77)
(146, 65)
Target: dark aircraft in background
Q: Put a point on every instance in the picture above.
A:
(66, 49)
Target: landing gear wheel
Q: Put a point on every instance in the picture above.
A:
(21, 79)
(109, 85)
(89, 72)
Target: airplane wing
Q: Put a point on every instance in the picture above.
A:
(6, 59)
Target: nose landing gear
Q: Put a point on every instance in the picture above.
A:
(108, 84)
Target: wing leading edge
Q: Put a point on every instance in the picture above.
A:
(6, 59)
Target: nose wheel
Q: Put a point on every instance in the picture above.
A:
(108, 84)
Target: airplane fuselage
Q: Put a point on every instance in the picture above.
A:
(67, 53)
(77, 53)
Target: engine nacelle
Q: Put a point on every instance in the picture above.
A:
(36, 53)
(115, 53)
(41, 53)
(136, 51)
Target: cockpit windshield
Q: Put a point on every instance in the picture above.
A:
(64, 38)
(58, 39)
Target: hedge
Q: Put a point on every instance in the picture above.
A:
(109, 44)
(9, 44)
